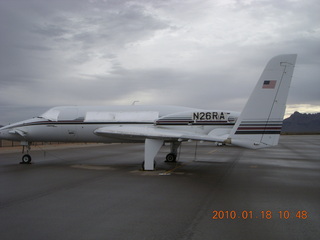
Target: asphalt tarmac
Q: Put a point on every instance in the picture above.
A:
(99, 192)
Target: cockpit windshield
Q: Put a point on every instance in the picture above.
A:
(51, 115)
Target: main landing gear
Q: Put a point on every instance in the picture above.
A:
(26, 158)
(172, 156)
(152, 147)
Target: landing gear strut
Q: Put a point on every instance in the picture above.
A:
(26, 158)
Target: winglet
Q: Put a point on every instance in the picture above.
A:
(259, 124)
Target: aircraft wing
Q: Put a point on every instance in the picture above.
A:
(158, 133)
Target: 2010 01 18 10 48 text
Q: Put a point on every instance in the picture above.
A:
(264, 214)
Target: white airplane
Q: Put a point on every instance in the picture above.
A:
(257, 126)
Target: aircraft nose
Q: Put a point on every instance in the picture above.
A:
(5, 134)
(2, 133)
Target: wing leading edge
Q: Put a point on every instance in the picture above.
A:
(138, 132)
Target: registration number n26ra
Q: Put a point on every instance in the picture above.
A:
(209, 116)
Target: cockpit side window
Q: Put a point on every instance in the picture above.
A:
(68, 114)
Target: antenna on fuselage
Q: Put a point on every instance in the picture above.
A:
(134, 103)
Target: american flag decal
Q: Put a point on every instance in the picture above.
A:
(269, 84)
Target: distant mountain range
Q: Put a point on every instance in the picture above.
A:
(302, 123)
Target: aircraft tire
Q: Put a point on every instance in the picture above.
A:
(171, 157)
(26, 159)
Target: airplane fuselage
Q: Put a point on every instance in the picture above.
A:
(78, 124)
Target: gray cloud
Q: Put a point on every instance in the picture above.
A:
(201, 54)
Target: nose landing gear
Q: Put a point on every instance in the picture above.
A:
(26, 158)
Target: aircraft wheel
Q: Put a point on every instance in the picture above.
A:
(26, 159)
(171, 157)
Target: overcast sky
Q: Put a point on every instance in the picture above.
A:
(197, 53)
